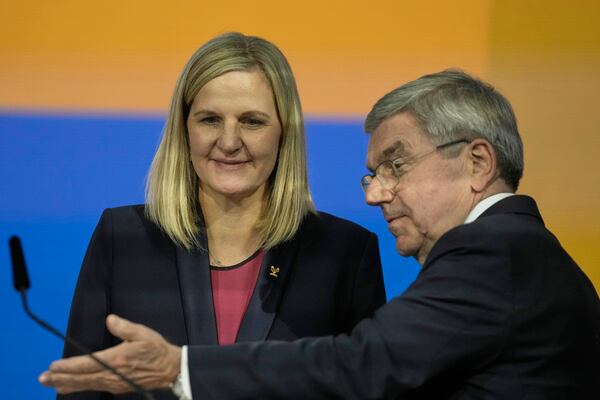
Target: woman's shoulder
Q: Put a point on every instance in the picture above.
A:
(128, 222)
(125, 213)
(127, 218)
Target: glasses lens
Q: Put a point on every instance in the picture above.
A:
(365, 182)
(387, 175)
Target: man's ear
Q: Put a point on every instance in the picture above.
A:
(483, 164)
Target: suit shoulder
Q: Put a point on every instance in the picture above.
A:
(128, 218)
(508, 234)
(508, 228)
(125, 213)
(128, 209)
(129, 224)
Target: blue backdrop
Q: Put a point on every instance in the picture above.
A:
(57, 174)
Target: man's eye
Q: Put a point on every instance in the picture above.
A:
(398, 164)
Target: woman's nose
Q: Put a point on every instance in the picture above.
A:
(230, 140)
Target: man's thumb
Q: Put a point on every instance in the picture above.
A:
(126, 330)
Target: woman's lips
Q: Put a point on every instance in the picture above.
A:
(230, 164)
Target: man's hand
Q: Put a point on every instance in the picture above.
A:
(144, 356)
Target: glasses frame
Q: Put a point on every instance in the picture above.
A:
(395, 165)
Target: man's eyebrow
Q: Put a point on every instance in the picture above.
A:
(395, 150)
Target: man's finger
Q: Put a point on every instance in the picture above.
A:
(84, 364)
(50, 379)
(127, 330)
(68, 383)
(77, 365)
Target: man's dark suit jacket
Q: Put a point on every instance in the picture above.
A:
(329, 278)
(499, 311)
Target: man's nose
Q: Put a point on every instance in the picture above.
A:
(376, 194)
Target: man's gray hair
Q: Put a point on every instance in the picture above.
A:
(451, 105)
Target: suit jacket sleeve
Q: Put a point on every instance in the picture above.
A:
(448, 323)
(90, 304)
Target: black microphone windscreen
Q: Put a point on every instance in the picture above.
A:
(20, 277)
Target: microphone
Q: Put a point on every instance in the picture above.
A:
(21, 283)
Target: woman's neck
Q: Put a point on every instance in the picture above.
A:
(231, 226)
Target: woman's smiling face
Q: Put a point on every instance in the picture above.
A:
(234, 133)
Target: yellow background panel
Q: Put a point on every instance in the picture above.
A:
(545, 57)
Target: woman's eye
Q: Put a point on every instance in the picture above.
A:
(211, 120)
(253, 122)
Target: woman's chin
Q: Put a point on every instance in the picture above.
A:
(233, 192)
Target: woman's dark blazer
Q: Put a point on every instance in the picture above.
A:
(321, 282)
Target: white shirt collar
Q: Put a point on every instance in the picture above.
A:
(484, 205)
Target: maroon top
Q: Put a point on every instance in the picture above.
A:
(232, 289)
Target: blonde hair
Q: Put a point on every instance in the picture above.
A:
(172, 186)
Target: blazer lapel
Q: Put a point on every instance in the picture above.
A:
(196, 295)
(274, 273)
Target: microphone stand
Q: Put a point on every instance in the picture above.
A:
(147, 395)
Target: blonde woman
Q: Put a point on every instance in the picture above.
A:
(228, 247)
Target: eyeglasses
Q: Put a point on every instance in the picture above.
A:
(388, 173)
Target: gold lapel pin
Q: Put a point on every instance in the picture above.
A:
(274, 271)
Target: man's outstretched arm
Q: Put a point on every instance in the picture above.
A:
(144, 356)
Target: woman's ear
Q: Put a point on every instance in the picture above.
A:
(483, 164)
